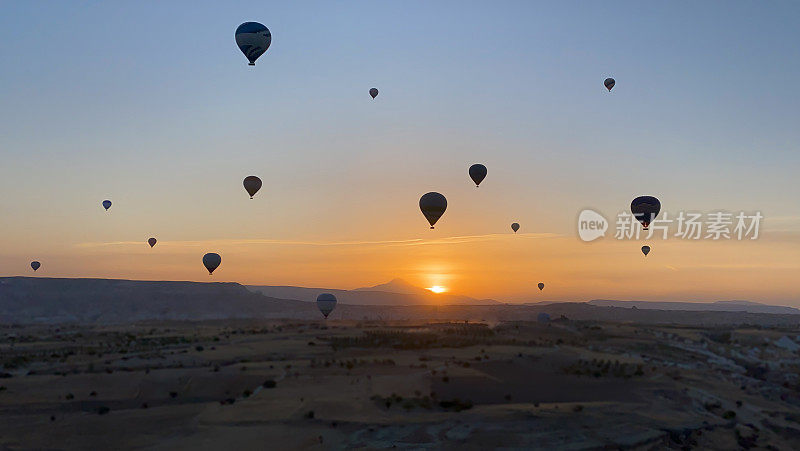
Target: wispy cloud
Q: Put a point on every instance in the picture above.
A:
(272, 242)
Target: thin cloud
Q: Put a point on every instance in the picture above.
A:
(244, 242)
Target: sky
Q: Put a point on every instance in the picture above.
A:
(151, 105)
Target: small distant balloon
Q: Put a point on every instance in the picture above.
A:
(645, 209)
(609, 83)
(252, 184)
(106, 204)
(541, 286)
(433, 206)
(253, 40)
(373, 92)
(515, 227)
(211, 261)
(477, 172)
(35, 265)
(326, 303)
(152, 242)
(645, 250)
(543, 318)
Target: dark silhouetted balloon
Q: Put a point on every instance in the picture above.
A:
(541, 286)
(645, 209)
(106, 204)
(252, 184)
(35, 265)
(433, 206)
(211, 261)
(543, 318)
(477, 172)
(609, 83)
(645, 250)
(253, 40)
(373, 92)
(152, 242)
(515, 227)
(326, 302)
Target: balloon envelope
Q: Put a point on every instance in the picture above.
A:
(609, 83)
(645, 250)
(433, 206)
(515, 227)
(541, 286)
(253, 40)
(543, 318)
(211, 261)
(252, 184)
(477, 172)
(35, 265)
(106, 204)
(152, 242)
(645, 209)
(326, 302)
(373, 92)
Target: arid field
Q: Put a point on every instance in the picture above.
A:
(314, 385)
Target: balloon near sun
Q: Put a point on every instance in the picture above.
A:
(437, 289)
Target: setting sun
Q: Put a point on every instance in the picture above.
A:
(437, 289)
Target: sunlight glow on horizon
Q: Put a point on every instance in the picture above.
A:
(437, 289)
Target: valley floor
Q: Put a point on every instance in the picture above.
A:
(344, 384)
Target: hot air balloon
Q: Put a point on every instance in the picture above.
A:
(645, 209)
(543, 318)
(477, 172)
(106, 204)
(515, 227)
(326, 302)
(433, 206)
(35, 265)
(609, 83)
(645, 250)
(541, 286)
(211, 262)
(152, 242)
(373, 92)
(253, 40)
(252, 184)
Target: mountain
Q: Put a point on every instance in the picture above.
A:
(37, 299)
(395, 292)
(719, 306)
(396, 286)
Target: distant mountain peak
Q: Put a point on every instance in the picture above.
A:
(395, 285)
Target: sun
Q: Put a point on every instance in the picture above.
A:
(437, 289)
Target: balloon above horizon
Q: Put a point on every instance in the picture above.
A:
(35, 265)
(152, 242)
(609, 83)
(477, 172)
(326, 303)
(541, 286)
(645, 250)
(252, 184)
(645, 209)
(211, 261)
(253, 40)
(432, 206)
(106, 204)
(514, 227)
(373, 92)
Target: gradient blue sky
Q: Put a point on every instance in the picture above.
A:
(151, 104)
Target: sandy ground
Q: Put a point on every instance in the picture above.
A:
(314, 385)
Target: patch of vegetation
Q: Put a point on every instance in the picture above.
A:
(601, 368)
